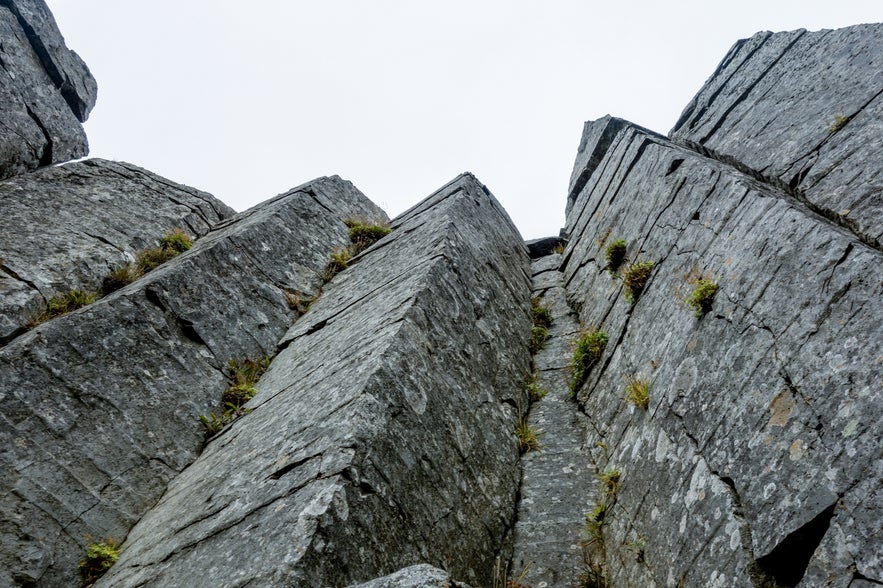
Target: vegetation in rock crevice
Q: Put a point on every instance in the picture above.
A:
(172, 244)
(594, 574)
(99, 558)
(61, 304)
(244, 375)
(634, 279)
(528, 437)
(702, 297)
(587, 352)
(534, 392)
(615, 254)
(637, 391)
(363, 234)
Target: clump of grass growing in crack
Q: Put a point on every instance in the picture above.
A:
(839, 122)
(299, 301)
(610, 482)
(541, 316)
(364, 234)
(538, 337)
(244, 375)
(592, 576)
(534, 392)
(637, 391)
(595, 521)
(528, 437)
(99, 558)
(587, 352)
(63, 303)
(702, 297)
(340, 259)
(634, 279)
(172, 244)
(614, 254)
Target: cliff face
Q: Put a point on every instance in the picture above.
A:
(717, 425)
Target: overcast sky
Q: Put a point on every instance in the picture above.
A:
(248, 99)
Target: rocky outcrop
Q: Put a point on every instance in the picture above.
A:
(804, 111)
(418, 576)
(757, 462)
(46, 91)
(101, 407)
(382, 433)
(102, 213)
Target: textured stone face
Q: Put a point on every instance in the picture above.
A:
(66, 228)
(101, 407)
(419, 576)
(45, 91)
(381, 435)
(805, 110)
(759, 456)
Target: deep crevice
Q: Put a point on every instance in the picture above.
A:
(786, 564)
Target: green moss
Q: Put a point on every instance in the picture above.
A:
(635, 278)
(99, 558)
(702, 297)
(176, 240)
(587, 352)
(614, 254)
(839, 122)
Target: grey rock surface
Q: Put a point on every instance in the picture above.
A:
(101, 407)
(46, 91)
(67, 227)
(417, 576)
(759, 457)
(383, 432)
(558, 481)
(804, 110)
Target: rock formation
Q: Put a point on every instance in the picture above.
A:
(702, 407)
(46, 91)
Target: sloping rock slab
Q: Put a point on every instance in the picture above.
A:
(759, 457)
(101, 407)
(805, 109)
(419, 576)
(381, 435)
(67, 227)
(45, 91)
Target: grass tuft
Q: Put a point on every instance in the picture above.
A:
(528, 437)
(587, 352)
(635, 278)
(637, 392)
(99, 558)
(702, 297)
(615, 254)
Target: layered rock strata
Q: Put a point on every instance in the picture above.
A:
(804, 111)
(101, 407)
(758, 459)
(66, 228)
(381, 435)
(46, 91)
(416, 576)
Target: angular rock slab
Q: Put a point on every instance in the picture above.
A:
(762, 436)
(101, 407)
(806, 110)
(381, 435)
(418, 576)
(68, 227)
(46, 91)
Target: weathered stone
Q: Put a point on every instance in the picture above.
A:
(761, 439)
(558, 480)
(803, 110)
(45, 91)
(382, 433)
(67, 227)
(101, 407)
(419, 576)
(542, 247)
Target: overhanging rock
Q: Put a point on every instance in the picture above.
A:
(46, 91)
(759, 456)
(381, 436)
(101, 407)
(102, 213)
(805, 110)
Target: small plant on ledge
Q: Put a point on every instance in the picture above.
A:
(587, 352)
(637, 392)
(364, 234)
(99, 558)
(61, 304)
(615, 254)
(635, 278)
(702, 297)
(528, 437)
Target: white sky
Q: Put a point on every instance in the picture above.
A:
(248, 99)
